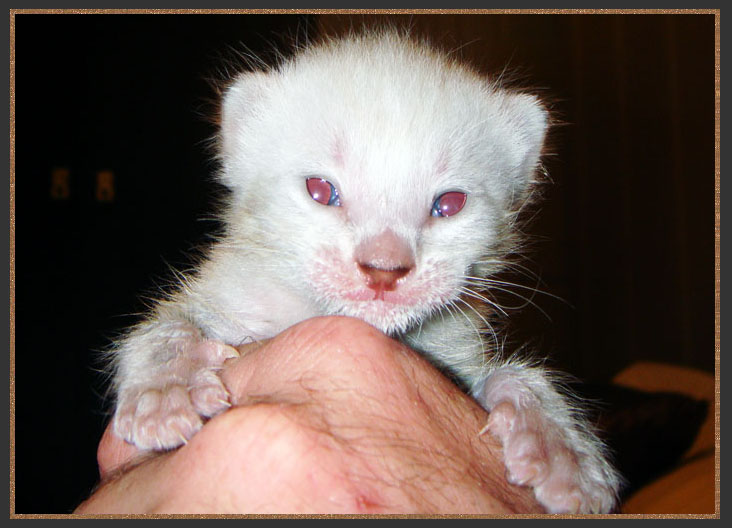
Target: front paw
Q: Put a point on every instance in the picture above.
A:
(168, 410)
(538, 453)
(157, 419)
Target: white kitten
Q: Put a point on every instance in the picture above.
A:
(376, 178)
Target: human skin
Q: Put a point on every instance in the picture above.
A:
(330, 416)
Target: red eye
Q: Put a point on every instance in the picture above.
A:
(323, 191)
(449, 204)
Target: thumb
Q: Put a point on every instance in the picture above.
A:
(113, 452)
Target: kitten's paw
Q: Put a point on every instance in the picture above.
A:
(158, 419)
(537, 454)
(168, 411)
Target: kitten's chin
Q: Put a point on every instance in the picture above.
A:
(392, 319)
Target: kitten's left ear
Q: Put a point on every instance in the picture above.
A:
(528, 121)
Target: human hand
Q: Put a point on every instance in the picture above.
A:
(330, 416)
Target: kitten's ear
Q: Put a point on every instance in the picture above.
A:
(241, 102)
(528, 120)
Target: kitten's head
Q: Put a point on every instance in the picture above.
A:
(374, 174)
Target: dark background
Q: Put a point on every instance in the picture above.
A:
(625, 234)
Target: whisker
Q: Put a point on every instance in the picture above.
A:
(487, 281)
(477, 332)
(489, 326)
(475, 295)
(513, 266)
(528, 301)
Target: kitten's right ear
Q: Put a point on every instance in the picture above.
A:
(240, 103)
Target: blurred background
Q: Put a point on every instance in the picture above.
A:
(112, 185)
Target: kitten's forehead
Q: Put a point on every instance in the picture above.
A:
(390, 164)
(389, 95)
(399, 117)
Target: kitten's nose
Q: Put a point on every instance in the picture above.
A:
(384, 259)
(380, 279)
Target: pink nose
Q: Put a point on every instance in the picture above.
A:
(380, 279)
(384, 259)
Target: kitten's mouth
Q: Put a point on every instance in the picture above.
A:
(390, 311)
(380, 294)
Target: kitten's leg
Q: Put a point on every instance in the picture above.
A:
(546, 445)
(166, 380)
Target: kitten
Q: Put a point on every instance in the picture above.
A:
(386, 177)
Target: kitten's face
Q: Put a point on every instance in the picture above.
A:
(377, 176)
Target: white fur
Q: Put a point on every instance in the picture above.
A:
(392, 124)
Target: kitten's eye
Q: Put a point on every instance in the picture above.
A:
(323, 191)
(449, 204)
